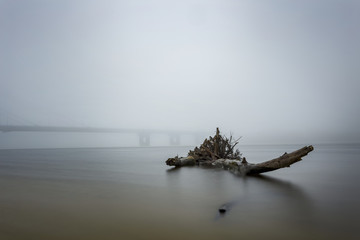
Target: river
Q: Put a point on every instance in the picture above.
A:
(129, 193)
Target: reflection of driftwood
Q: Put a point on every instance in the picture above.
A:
(297, 201)
(218, 152)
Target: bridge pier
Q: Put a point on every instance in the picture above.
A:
(174, 139)
(144, 140)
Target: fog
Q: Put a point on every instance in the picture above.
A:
(270, 71)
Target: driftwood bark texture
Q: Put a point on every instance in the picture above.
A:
(219, 152)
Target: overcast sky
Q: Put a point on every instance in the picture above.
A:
(255, 68)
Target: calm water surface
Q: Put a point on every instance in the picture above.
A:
(129, 193)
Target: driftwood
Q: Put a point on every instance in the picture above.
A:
(218, 152)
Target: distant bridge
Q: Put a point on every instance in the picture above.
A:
(144, 134)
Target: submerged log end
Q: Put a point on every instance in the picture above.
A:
(171, 161)
(180, 161)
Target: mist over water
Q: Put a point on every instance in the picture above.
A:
(269, 71)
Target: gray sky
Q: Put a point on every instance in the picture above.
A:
(256, 68)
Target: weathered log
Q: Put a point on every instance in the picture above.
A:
(281, 162)
(243, 167)
(218, 152)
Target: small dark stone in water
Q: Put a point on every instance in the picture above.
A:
(222, 209)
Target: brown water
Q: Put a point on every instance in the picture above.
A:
(129, 193)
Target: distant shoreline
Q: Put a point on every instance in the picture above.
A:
(186, 146)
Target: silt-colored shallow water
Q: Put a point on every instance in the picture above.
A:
(129, 193)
